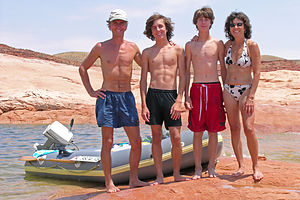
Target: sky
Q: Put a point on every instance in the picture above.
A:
(57, 26)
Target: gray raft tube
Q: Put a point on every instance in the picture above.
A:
(85, 165)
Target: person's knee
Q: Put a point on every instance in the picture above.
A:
(198, 135)
(135, 139)
(176, 140)
(136, 147)
(107, 144)
(156, 137)
(249, 130)
(235, 127)
(212, 136)
(136, 144)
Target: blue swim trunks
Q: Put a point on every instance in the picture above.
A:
(117, 110)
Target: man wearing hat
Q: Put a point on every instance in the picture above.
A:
(115, 106)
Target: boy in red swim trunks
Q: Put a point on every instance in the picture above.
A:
(205, 100)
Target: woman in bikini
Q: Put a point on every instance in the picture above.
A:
(242, 59)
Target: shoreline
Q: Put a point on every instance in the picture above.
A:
(59, 95)
(225, 186)
(34, 91)
(269, 119)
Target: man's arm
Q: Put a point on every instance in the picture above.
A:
(188, 60)
(86, 64)
(138, 56)
(177, 107)
(143, 86)
(221, 53)
(182, 77)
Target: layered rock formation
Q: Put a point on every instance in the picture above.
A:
(38, 91)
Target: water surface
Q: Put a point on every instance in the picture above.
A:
(17, 141)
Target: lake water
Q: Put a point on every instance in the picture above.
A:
(17, 141)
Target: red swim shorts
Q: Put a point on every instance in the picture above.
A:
(208, 110)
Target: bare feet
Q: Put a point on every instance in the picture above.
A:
(257, 175)
(197, 175)
(240, 172)
(111, 188)
(158, 181)
(179, 178)
(212, 173)
(138, 183)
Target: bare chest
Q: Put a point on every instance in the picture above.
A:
(207, 51)
(163, 58)
(117, 57)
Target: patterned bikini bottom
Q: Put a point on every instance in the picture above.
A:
(236, 91)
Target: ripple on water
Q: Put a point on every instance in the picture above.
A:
(18, 140)
(280, 146)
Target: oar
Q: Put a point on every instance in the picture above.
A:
(30, 158)
(27, 158)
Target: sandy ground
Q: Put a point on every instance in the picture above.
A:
(38, 92)
(277, 184)
(34, 91)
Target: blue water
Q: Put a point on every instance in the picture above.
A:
(18, 140)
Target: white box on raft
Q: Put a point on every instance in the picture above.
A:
(59, 133)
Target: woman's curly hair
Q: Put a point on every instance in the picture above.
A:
(241, 16)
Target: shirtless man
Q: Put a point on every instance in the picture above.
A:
(205, 101)
(162, 104)
(116, 57)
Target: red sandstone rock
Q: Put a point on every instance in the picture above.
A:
(281, 181)
(35, 91)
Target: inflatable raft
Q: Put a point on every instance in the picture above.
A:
(53, 160)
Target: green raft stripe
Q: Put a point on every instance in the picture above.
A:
(115, 170)
(63, 171)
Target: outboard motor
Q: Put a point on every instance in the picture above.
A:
(58, 136)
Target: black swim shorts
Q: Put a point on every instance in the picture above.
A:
(159, 103)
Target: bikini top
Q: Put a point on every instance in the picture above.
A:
(243, 61)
